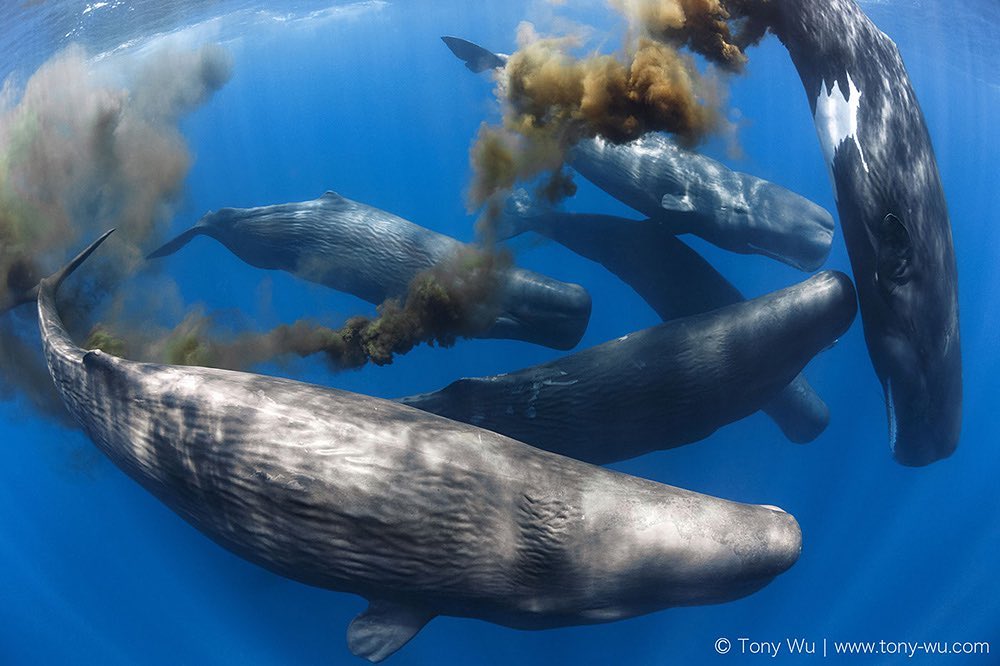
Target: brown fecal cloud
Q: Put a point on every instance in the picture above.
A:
(84, 148)
(552, 99)
(453, 299)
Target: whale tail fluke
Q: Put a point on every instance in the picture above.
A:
(177, 243)
(475, 57)
(56, 279)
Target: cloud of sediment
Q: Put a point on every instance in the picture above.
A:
(551, 98)
(86, 147)
(453, 299)
(703, 26)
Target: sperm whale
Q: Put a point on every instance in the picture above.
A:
(671, 277)
(692, 193)
(372, 254)
(420, 515)
(892, 210)
(661, 387)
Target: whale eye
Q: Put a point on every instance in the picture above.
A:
(894, 254)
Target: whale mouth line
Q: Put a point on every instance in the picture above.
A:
(890, 407)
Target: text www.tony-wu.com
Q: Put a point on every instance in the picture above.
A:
(826, 647)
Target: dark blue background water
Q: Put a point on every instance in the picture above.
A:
(368, 102)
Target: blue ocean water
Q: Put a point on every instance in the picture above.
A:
(364, 99)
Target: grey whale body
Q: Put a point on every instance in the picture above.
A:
(372, 254)
(671, 277)
(421, 515)
(892, 211)
(661, 387)
(691, 193)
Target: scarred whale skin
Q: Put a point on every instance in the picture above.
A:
(691, 193)
(671, 277)
(661, 387)
(892, 211)
(694, 194)
(373, 254)
(420, 515)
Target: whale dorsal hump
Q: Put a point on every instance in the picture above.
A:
(383, 628)
(895, 253)
(330, 195)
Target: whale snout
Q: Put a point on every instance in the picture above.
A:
(542, 310)
(763, 543)
(783, 542)
(922, 382)
(924, 420)
(800, 232)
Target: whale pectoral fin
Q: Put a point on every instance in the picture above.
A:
(383, 628)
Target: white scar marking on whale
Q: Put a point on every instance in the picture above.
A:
(836, 120)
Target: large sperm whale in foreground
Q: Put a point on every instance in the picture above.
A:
(671, 277)
(420, 515)
(661, 387)
(691, 193)
(892, 210)
(373, 254)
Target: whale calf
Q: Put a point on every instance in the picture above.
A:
(892, 211)
(671, 277)
(373, 254)
(661, 387)
(420, 515)
(691, 193)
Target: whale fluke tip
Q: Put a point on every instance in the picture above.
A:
(476, 58)
(177, 243)
(59, 276)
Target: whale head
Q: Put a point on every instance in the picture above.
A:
(913, 337)
(791, 228)
(687, 550)
(542, 310)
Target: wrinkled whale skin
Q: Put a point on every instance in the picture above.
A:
(661, 387)
(892, 211)
(371, 253)
(421, 515)
(670, 276)
(691, 193)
